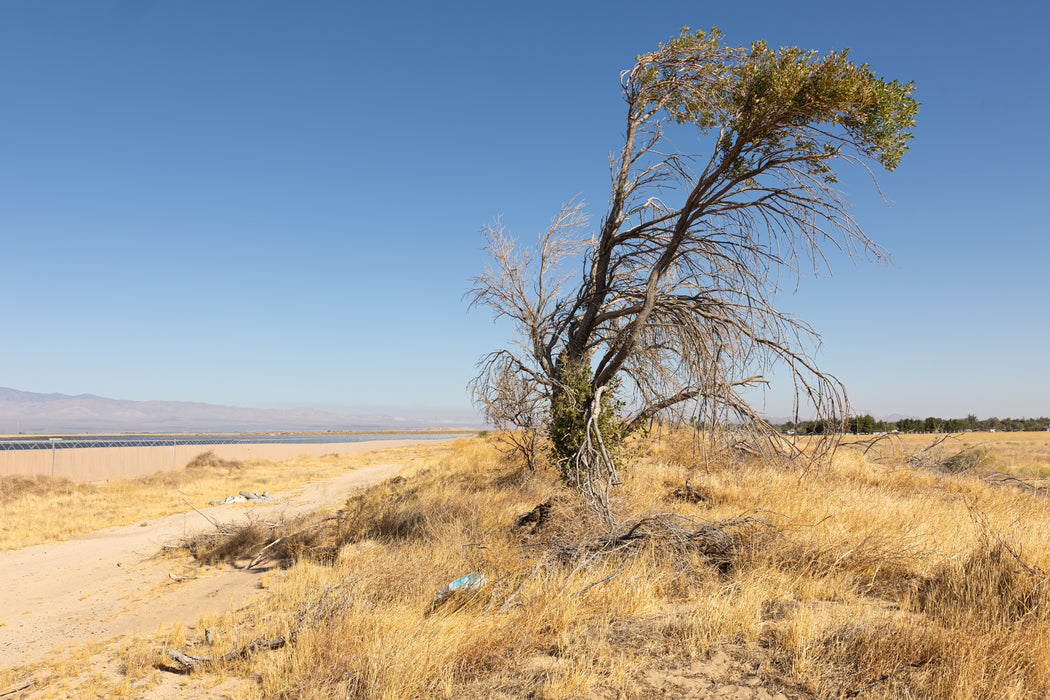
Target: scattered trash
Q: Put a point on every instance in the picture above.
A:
(243, 497)
(228, 499)
(461, 590)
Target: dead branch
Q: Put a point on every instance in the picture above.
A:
(992, 540)
(610, 577)
(187, 502)
(1037, 487)
(194, 662)
(317, 609)
(926, 458)
(255, 560)
(510, 599)
(686, 492)
(867, 445)
(720, 542)
(584, 561)
(25, 686)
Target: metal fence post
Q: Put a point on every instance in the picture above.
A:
(53, 442)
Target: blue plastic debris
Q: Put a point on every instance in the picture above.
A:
(463, 588)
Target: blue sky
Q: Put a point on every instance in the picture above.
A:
(277, 204)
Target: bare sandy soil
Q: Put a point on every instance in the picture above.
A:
(109, 584)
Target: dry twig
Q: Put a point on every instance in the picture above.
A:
(255, 560)
(319, 608)
(187, 502)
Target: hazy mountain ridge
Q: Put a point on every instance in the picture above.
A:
(28, 412)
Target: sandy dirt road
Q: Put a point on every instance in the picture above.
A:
(108, 583)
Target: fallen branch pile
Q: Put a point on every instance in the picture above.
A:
(256, 541)
(720, 542)
(1037, 487)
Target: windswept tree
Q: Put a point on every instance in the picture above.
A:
(675, 308)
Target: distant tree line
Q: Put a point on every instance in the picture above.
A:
(867, 425)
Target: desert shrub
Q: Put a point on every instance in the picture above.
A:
(208, 460)
(283, 540)
(227, 543)
(19, 486)
(969, 460)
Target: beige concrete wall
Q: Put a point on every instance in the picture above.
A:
(98, 463)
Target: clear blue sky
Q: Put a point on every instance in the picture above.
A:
(277, 204)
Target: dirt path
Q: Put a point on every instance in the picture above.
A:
(104, 584)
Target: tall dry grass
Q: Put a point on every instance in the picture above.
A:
(863, 579)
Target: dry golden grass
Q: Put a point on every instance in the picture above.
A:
(863, 579)
(1021, 453)
(36, 509)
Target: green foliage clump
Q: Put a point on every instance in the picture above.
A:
(777, 102)
(568, 416)
(969, 460)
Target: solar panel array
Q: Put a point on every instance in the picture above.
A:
(73, 441)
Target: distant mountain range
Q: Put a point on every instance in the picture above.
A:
(27, 412)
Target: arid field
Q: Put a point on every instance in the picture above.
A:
(38, 509)
(890, 573)
(1022, 453)
(106, 463)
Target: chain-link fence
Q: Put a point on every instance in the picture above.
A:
(89, 458)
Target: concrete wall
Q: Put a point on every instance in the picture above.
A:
(98, 463)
